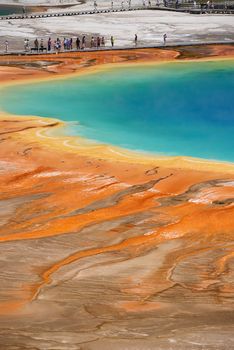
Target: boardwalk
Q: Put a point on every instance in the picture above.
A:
(70, 13)
(182, 8)
(118, 48)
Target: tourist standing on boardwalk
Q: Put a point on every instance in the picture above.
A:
(83, 42)
(103, 41)
(36, 44)
(42, 45)
(49, 44)
(58, 45)
(112, 41)
(164, 39)
(6, 46)
(78, 43)
(98, 42)
(136, 39)
(26, 44)
(95, 5)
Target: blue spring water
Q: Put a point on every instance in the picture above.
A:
(6, 10)
(169, 109)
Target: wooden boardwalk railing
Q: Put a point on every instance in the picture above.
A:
(69, 13)
(189, 8)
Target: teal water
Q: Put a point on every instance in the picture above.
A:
(6, 10)
(170, 109)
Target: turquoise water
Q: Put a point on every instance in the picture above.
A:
(6, 10)
(171, 109)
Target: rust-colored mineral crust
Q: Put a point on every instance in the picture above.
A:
(103, 248)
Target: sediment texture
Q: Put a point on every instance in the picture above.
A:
(97, 252)
(102, 249)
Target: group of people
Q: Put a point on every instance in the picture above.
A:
(68, 44)
(124, 3)
(209, 5)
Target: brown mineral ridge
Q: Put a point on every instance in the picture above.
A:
(103, 248)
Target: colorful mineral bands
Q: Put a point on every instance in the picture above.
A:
(183, 109)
